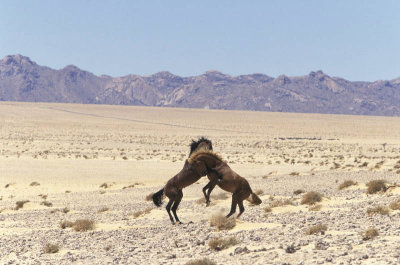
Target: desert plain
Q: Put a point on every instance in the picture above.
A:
(65, 162)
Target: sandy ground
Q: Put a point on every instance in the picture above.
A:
(72, 150)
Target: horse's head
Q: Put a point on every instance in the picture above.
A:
(201, 143)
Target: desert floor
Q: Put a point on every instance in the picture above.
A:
(99, 163)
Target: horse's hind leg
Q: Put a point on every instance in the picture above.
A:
(241, 208)
(233, 207)
(176, 204)
(168, 207)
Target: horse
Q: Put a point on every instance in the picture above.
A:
(231, 181)
(189, 174)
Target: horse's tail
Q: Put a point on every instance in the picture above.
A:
(157, 197)
(255, 200)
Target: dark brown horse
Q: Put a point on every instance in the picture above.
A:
(189, 174)
(231, 181)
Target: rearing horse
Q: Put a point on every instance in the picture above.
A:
(231, 181)
(189, 174)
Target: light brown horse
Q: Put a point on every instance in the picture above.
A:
(189, 174)
(231, 181)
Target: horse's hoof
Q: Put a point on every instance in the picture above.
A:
(179, 223)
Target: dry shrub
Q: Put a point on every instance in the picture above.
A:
(315, 229)
(375, 186)
(51, 248)
(281, 202)
(365, 164)
(221, 222)
(294, 174)
(35, 183)
(299, 191)
(65, 210)
(141, 212)
(346, 184)
(222, 243)
(204, 261)
(378, 210)
(395, 205)
(20, 204)
(311, 197)
(83, 225)
(370, 234)
(315, 208)
(65, 224)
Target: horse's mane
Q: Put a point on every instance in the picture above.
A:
(198, 153)
(195, 144)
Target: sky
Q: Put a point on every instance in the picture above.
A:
(358, 40)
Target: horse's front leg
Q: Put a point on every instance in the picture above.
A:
(211, 185)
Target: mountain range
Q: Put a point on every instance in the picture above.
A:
(21, 79)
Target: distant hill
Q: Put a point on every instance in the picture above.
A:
(23, 80)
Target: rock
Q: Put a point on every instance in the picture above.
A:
(240, 250)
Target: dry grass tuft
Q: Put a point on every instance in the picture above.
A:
(315, 229)
(65, 210)
(51, 248)
(221, 222)
(378, 210)
(35, 183)
(370, 234)
(222, 243)
(346, 184)
(204, 261)
(141, 212)
(20, 204)
(311, 197)
(375, 186)
(395, 205)
(83, 225)
(294, 174)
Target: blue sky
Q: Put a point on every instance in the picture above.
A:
(357, 40)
